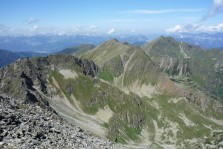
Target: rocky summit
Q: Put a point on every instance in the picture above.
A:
(114, 96)
(31, 126)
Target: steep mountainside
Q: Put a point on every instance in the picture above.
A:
(6, 57)
(124, 97)
(182, 61)
(127, 67)
(68, 85)
(77, 50)
(132, 71)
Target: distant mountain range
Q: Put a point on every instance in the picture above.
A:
(205, 40)
(6, 56)
(55, 43)
(77, 50)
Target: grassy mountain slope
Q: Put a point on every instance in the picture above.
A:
(132, 71)
(181, 60)
(127, 67)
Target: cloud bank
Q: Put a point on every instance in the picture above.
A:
(216, 8)
(196, 28)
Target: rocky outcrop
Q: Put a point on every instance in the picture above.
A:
(89, 67)
(174, 67)
(27, 73)
(30, 126)
(216, 140)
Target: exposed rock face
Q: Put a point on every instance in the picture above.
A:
(174, 67)
(27, 73)
(217, 142)
(30, 126)
(89, 68)
(170, 56)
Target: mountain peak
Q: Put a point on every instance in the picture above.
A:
(113, 40)
(167, 38)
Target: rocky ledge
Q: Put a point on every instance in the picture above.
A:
(25, 125)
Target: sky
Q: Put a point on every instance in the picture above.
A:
(110, 17)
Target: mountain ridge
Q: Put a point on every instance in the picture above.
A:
(182, 60)
(117, 91)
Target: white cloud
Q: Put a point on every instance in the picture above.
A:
(93, 29)
(111, 31)
(163, 11)
(217, 7)
(196, 28)
(174, 29)
(34, 28)
(32, 20)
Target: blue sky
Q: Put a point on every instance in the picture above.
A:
(116, 16)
